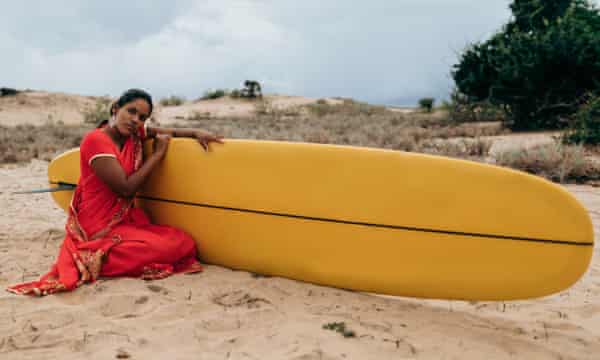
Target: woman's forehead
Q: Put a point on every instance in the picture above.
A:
(140, 104)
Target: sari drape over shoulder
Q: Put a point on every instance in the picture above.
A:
(106, 235)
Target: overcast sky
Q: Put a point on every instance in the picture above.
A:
(381, 51)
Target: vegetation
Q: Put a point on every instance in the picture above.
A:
(539, 66)
(586, 125)
(214, 94)
(426, 104)
(24, 142)
(460, 109)
(251, 90)
(555, 161)
(100, 112)
(172, 101)
(347, 107)
(341, 328)
(347, 122)
(4, 91)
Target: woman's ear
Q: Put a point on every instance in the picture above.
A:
(113, 109)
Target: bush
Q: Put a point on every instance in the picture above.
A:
(172, 101)
(4, 91)
(426, 104)
(586, 126)
(235, 94)
(214, 94)
(100, 112)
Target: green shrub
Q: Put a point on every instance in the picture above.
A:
(586, 126)
(235, 94)
(214, 94)
(426, 104)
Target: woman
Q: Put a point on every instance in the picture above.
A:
(105, 234)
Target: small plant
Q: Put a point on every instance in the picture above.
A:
(172, 101)
(340, 327)
(426, 104)
(100, 112)
(8, 91)
(235, 94)
(214, 94)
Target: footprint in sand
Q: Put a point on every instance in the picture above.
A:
(126, 306)
(240, 299)
(219, 324)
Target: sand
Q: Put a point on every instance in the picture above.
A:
(226, 314)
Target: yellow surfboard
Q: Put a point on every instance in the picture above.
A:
(367, 219)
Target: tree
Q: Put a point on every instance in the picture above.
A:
(539, 66)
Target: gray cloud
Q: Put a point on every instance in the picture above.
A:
(376, 50)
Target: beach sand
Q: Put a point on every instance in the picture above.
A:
(226, 314)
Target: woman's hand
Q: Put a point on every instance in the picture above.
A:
(205, 138)
(161, 143)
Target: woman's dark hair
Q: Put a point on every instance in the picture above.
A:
(126, 97)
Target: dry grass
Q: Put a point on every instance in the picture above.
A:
(348, 123)
(25, 142)
(556, 162)
(343, 123)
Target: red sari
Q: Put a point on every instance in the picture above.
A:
(106, 236)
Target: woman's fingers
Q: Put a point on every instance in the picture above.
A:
(205, 140)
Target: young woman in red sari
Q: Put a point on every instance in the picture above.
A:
(105, 235)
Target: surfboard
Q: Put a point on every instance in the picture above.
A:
(366, 219)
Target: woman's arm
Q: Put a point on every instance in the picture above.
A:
(203, 137)
(112, 174)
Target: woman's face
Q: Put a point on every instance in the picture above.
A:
(131, 116)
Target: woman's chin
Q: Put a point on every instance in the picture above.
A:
(126, 132)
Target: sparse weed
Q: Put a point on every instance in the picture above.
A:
(172, 101)
(25, 142)
(100, 112)
(341, 328)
